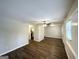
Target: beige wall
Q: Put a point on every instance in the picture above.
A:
(71, 46)
(13, 34)
(38, 33)
(53, 31)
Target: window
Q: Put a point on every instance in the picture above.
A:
(68, 30)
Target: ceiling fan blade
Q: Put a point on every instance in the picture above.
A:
(48, 23)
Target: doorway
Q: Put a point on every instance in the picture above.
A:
(32, 35)
(31, 32)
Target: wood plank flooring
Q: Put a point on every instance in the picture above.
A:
(49, 48)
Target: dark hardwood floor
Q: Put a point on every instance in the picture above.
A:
(49, 48)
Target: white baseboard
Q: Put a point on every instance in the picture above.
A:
(70, 52)
(38, 40)
(13, 49)
(53, 37)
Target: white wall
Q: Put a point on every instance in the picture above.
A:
(53, 31)
(13, 34)
(39, 33)
(71, 46)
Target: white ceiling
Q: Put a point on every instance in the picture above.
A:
(36, 10)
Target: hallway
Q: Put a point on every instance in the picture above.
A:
(49, 48)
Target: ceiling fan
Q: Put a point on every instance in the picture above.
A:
(46, 23)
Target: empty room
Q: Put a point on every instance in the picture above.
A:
(38, 29)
